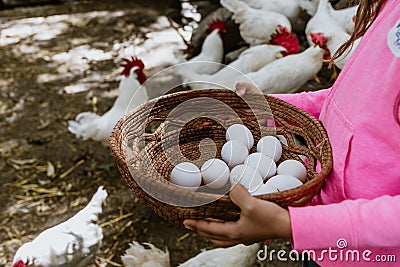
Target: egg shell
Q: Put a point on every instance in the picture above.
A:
(283, 182)
(187, 175)
(240, 133)
(234, 153)
(215, 173)
(265, 189)
(265, 165)
(270, 146)
(246, 176)
(293, 168)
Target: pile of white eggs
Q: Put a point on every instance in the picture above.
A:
(258, 172)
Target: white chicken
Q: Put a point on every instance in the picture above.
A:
(345, 18)
(138, 256)
(212, 50)
(236, 256)
(74, 242)
(323, 28)
(132, 93)
(250, 60)
(310, 6)
(288, 74)
(256, 26)
(321, 21)
(290, 8)
(333, 40)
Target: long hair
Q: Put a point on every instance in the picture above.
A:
(366, 14)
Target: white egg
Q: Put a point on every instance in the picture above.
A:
(284, 182)
(215, 173)
(293, 168)
(246, 176)
(240, 133)
(270, 146)
(265, 189)
(186, 174)
(234, 153)
(265, 165)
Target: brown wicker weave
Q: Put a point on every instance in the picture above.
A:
(154, 155)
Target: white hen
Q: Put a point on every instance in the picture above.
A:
(256, 26)
(322, 27)
(290, 8)
(88, 125)
(236, 256)
(333, 40)
(288, 74)
(345, 18)
(250, 60)
(138, 256)
(212, 50)
(74, 242)
(321, 21)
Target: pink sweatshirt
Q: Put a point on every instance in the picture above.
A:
(360, 201)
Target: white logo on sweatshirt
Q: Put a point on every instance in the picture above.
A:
(393, 39)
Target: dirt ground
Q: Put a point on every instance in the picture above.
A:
(46, 173)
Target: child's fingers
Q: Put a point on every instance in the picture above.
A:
(242, 88)
(241, 197)
(212, 230)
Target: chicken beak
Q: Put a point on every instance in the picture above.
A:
(279, 55)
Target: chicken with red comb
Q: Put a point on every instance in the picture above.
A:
(326, 25)
(212, 50)
(257, 26)
(135, 62)
(320, 40)
(288, 74)
(132, 93)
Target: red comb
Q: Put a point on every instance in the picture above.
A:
(216, 24)
(19, 263)
(135, 62)
(287, 39)
(129, 64)
(320, 40)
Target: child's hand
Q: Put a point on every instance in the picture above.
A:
(259, 220)
(242, 88)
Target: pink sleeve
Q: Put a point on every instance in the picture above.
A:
(310, 102)
(361, 222)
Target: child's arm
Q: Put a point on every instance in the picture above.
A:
(361, 222)
(310, 102)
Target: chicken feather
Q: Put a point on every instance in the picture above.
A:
(74, 242)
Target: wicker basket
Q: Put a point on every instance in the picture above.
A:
(146, 156)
